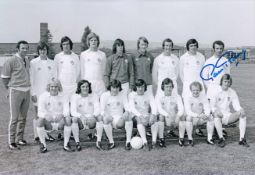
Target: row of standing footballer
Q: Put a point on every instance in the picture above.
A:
(121, 91)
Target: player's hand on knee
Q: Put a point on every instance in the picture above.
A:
(203, 116)
(59, 117)
(218, 113)
(126, 115)
(99, 118)
(34, 98)
(153, 119)
(177, 119)
(107, 119)
(144, 120)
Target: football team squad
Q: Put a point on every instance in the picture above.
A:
(123, 91)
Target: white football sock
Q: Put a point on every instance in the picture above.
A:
(161, 127)
(218, 126)
(99, 128)
(108, 132)
(154, 131)
(182, 127)
(128, 128)
(75, 131)
(67, 134)
(189, 127)
(141, 130)
(35, 128)
(242, 127)
(41, 134)
(210, 128)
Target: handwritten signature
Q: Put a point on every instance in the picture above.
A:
(233, 56)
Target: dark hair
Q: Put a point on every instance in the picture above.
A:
(81, 82)
(21, 42)
(41, 46)
(92, 35)
(197, 84)
(142, 38)
(64, 39)
(166, 81)
(139, 83)
(218, 42)
(191, 41)
(167, 40)
(118, 42)
(226, 77)
(115, 84)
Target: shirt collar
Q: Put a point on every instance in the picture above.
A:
(142, 54)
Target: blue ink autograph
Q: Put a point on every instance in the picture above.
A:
(233, 56)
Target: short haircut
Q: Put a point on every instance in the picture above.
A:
(21, 42)
(226, 77)
(64, 39)
(166, 81)
(196, 84)
(167, 40)
(142, 38)
(118, 42)
(92, 35)
(218, 42)
(81, 82)
(60, 89)
(139, 83)
(115, 84)
(191, 41)
(41, 46)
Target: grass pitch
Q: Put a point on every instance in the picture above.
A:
(200, 159)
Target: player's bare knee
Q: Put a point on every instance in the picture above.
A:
(120, 124)
(182, 118)
(91, 123)
(242, 114)
(68, 121)
(189, 119)
(74, 120)
(99, 118)
(107, 120)
(161, 118)
(40, 122)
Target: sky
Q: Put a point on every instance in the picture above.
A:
(232, 21)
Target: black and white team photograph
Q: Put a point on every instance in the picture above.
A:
(127, 87)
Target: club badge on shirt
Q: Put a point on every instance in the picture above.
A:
(61, 62)
(59, 103)
(200, 104)
(90, 104)
(38, 68)
(72, 62)
(49, 67)
(228, 98)
(198, 62)
(173, 62)
(172, 103)
(99, 60)
(80, 105)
